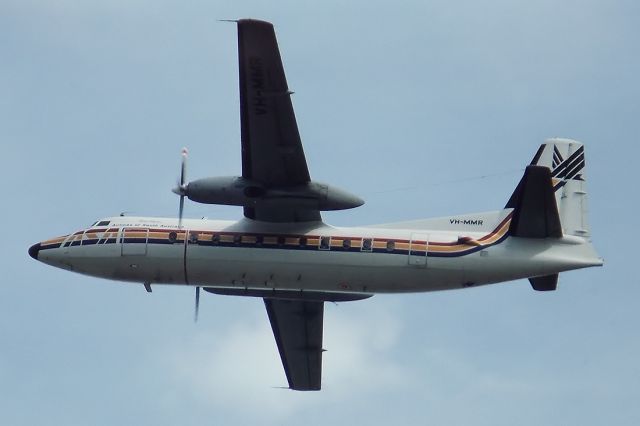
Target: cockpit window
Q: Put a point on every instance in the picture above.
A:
(102, 223)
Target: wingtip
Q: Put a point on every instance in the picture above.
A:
(253, 21)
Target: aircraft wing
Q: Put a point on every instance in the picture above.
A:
(272, 153)
(297, 327)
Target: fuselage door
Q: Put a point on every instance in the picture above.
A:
(418, 248)
(134, 241)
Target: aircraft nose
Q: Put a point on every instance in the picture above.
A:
(33, 251)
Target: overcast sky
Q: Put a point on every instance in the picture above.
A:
(423, 108)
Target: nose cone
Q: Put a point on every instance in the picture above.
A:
(34, 250)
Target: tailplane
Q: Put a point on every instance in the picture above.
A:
(544, 283)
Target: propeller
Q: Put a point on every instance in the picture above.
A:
(181, 188)
(195, 318)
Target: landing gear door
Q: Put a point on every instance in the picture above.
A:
(134, 241)
(418, 248)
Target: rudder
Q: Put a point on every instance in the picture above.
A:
(565, 158)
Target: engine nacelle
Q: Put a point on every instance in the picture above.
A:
(238, 191)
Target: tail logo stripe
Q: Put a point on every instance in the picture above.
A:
(569, 162)
(566, 168)
(574, 173)
(536, 157)
(557, 157)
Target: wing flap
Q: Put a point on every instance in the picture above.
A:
(297, 328)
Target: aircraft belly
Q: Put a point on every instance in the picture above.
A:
(274, 268)
(317, 270)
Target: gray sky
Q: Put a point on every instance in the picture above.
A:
(399, 103)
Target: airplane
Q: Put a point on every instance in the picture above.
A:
(282, 251)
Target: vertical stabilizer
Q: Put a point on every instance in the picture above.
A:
(565, 159)
(535, 212)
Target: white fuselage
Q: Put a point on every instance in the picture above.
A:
(254, 255)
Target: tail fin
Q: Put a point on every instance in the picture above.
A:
(535, 211)
(565, 159)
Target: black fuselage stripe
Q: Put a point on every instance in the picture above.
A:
(314, 248)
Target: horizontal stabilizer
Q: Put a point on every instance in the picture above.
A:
(546, 283)
(535, 212)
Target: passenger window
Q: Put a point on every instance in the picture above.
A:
(325, 243)
(303, 241)
(391, 245)
(346, 244)
(85, 238)
(367, 244)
